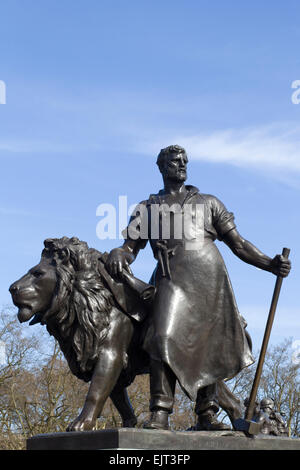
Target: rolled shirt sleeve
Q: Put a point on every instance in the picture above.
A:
(223, 221)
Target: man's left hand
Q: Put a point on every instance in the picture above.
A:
(280, 266)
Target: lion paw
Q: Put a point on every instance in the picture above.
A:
(81, 424)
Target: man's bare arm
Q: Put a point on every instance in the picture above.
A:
(247, 252)
(120, 258)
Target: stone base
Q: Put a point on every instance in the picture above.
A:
(146, 439)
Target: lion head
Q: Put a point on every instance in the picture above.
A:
(66, 293)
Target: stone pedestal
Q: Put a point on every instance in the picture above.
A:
(144, 439)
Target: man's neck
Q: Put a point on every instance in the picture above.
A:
(174, 187)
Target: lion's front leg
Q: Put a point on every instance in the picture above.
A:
(106, 372)
(105, 376)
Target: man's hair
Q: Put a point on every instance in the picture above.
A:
(164, 153)
(267, 402)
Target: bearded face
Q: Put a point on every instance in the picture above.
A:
(175, 167)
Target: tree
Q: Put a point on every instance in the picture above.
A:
(38, 393)
(17, 353)
(280, 381)
(47, 397)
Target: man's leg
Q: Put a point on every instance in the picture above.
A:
(207, 406)
(229, 402)
(162, 389)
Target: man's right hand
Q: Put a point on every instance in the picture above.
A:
(117, 261)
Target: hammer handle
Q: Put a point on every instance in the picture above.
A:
(253, 394)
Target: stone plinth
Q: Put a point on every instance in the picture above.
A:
(144, 439)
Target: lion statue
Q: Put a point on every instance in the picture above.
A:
(70, 292)
(99, 323)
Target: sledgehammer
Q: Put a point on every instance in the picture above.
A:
(247, 425)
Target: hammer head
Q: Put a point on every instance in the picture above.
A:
(246, 425)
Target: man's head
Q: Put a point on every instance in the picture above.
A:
(267, 405)
(172, 162)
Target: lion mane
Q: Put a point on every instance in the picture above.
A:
(79, 315)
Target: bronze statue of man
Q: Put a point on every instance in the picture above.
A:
(195, 333)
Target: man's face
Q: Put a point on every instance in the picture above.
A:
(267, 409)
(176, 167)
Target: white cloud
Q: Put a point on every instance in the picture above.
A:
(274, 146)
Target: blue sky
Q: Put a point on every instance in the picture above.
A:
(96, 88)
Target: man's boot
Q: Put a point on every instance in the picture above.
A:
(207, 421)
(159, 420)
(162, 388)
